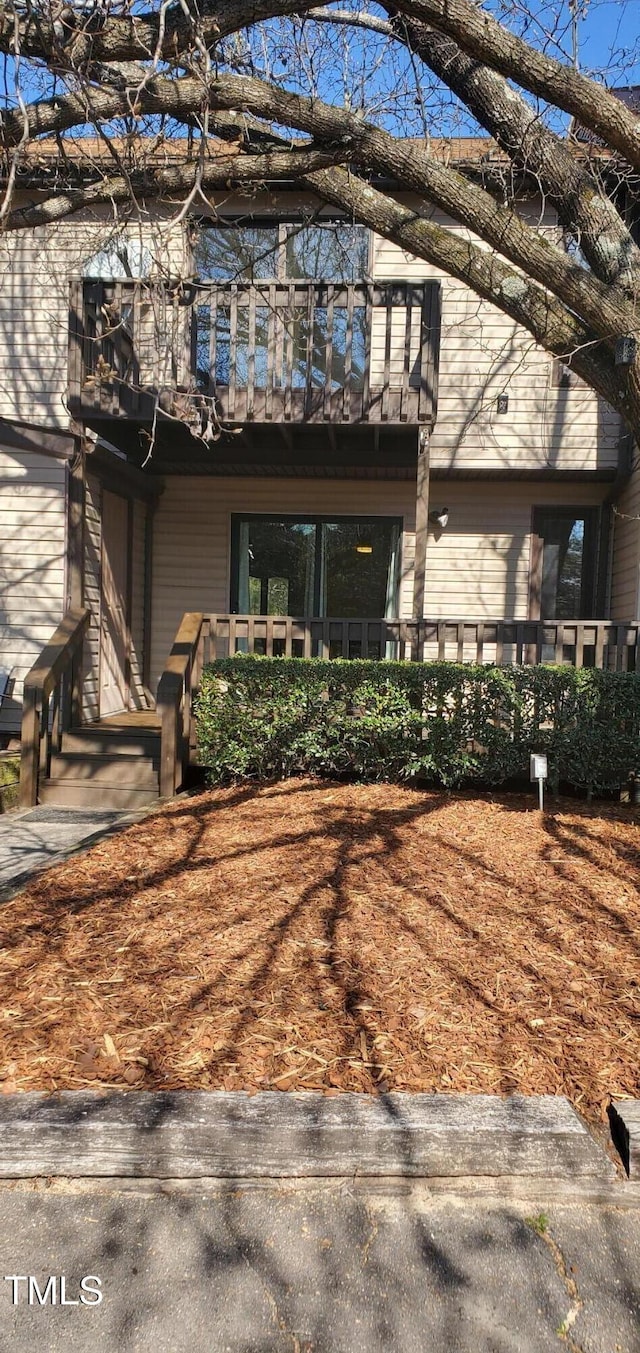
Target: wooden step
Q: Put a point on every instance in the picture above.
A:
(97, 741)
(84, 794)
(111, 771)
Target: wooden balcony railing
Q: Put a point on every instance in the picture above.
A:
(579, 643)
(266, 351)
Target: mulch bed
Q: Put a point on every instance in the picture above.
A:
(311, 935)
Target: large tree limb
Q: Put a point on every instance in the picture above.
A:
(138, 37)
(550, 323)
(151, 183)
(606, 308)
(75, 37)
(489, 41)
(581, 204)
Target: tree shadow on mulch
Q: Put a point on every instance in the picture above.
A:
(317, 935)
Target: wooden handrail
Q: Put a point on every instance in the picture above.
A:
(608, 644)
(176, 688)
(201, 638)
(55, 673)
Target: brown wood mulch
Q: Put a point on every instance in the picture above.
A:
(311, 935)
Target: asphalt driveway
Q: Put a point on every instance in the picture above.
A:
(332, 1269)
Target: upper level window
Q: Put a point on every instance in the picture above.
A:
(563, 377)
(329, 251)
(239, 253)
(120, 257)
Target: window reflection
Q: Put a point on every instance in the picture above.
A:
(344, 568)
(331, 252)
(328, 251)
(566, 562)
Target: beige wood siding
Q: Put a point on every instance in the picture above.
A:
(138, 698)
(479, 568)
(35, 269)
(32, 565)
(483, 353)
(625, 579)
(192, 537)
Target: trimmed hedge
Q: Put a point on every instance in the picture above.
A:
(445, 723)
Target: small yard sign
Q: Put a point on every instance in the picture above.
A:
(538, 770)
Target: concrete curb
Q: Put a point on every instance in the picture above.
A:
(194, 1134)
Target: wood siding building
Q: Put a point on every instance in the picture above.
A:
(146, 526)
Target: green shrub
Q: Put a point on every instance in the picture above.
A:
(9, 786)
(445, 723)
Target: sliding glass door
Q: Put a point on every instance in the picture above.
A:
(342, 567)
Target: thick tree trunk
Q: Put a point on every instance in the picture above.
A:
(483, 37)
(554, 327)
(583, 206)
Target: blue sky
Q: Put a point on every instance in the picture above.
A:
(609, 39)
(609, 47)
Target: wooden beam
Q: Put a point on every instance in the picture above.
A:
(119, 476)
(75, 527)
(43, 441)
(422, 524)
(148, 595)
(230, 1134)
(129, 600)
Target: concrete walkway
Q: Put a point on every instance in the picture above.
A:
(33, 839)
(334, 1269)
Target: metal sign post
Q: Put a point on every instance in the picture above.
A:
(538, 770)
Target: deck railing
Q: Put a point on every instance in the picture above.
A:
(580, 643)
(176, 689)
(319, 352)
(203, 638)
(297, 351)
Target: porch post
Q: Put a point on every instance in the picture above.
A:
(75, 527)
(422, 523)
(75, 572)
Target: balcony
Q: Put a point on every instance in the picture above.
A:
(266, 352)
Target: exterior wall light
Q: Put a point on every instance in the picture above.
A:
(439, 517)
(626, 349)
(502, 404)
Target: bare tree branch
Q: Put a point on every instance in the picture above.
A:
(225, 171)
(606, 308)
(582, 205)
(479, 34)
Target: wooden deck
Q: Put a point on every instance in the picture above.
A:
(264, 352)
(127, 721)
